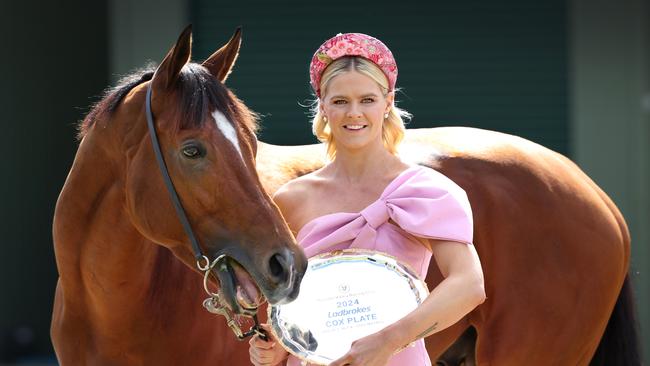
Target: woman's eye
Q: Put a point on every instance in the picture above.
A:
(192, 152)
(339, 101)
(367, 100)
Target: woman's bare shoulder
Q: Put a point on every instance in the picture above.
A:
(295, 192)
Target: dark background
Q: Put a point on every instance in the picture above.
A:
(54, 60)
(462, 62)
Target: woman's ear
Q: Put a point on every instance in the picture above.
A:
(390, 98)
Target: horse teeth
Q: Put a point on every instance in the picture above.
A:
(243, 299)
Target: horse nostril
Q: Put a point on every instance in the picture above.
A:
(276, 265)
(280, 266)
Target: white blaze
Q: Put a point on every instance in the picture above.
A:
(227, 129)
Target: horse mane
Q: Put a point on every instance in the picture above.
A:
(197, 89)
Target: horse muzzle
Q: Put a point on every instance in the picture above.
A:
(243, 290)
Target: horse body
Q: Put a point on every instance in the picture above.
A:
(554, 248)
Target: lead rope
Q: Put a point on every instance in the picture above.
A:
(213, 303)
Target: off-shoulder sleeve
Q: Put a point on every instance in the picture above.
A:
(420, 201)
(430, 205)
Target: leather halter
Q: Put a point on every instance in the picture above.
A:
(213, 304)
(180, 212)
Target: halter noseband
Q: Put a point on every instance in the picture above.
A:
(213, 303)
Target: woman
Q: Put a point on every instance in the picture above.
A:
(366, 197)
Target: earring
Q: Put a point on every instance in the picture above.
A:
(325, 119)
(386, 115)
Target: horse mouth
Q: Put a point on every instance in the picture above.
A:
(238, 288)
(247, 293)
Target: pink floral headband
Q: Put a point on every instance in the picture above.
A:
(352, 44)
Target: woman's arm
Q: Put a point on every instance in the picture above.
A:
(459, 293)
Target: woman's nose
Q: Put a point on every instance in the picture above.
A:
(354, 111)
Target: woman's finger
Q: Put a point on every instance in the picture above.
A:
(260, 359)
(343, 361)
(258, 342)
(269, 333)
(260, 351)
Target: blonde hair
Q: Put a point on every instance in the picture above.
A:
(393, 128)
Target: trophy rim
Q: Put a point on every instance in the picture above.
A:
(349, 251)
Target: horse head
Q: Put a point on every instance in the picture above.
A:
(208, 142)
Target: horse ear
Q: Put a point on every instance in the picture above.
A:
(221, 62)
(179, 55)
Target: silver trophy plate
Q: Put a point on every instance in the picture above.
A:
(345, 295)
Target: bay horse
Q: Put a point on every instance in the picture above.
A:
(128, 291)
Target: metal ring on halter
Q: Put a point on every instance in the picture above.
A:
(207, 270)
(207, 263)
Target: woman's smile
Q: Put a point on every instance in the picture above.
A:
(354, 127)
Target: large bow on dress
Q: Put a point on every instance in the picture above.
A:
(421, 201)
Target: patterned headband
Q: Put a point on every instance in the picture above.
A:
(352, 44)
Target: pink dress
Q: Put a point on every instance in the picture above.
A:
(424, 204)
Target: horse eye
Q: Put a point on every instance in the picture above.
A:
(192, 151)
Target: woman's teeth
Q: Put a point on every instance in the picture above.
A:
(354, 127)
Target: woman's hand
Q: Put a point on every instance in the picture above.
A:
(372, 350)
(267, 353)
